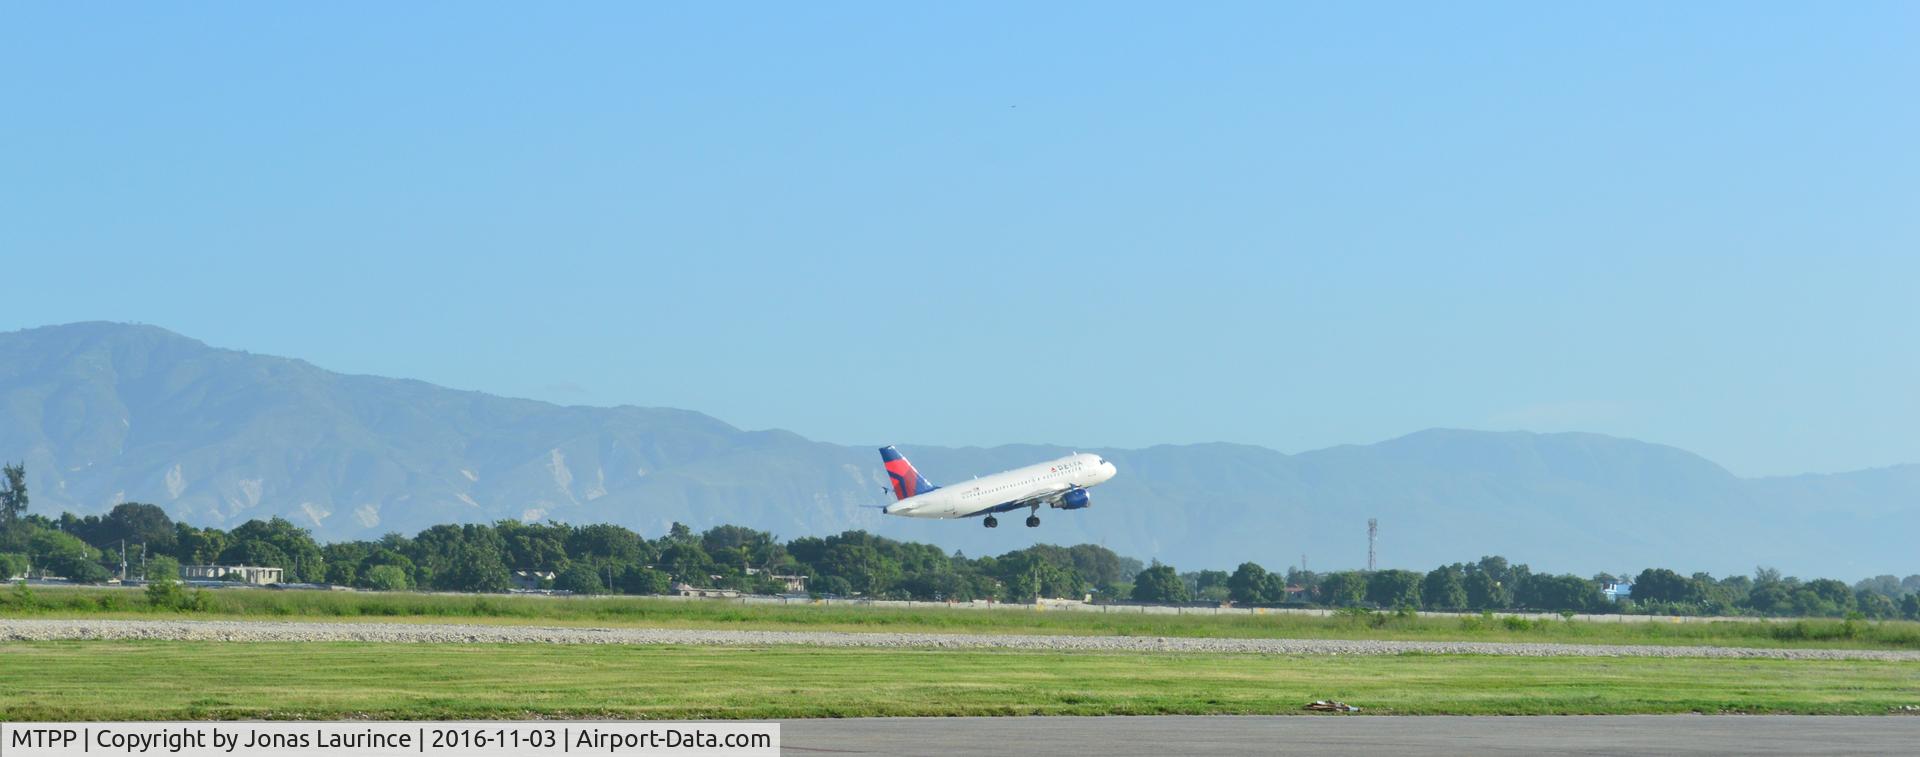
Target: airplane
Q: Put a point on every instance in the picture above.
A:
(1061, 483)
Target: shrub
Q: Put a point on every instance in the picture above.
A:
(168, 594)
(21, 597)
(12, 564)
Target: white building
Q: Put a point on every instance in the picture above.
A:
(686, 590)
(258, 575)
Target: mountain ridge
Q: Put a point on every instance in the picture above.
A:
(104, 412)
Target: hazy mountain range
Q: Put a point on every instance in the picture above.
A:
(103, 413)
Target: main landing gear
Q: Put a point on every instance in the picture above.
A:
(1033, 521)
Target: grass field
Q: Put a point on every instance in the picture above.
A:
(666, 613)
(188, 680)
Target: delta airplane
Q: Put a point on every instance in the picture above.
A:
(1061, 483)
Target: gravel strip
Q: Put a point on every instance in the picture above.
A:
(449, 633)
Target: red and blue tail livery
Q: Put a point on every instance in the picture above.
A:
(1061, 483)
(907, 482)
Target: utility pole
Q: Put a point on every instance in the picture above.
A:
(123, 560)
(1373, 533)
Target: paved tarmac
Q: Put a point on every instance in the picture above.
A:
(1358, 735)
(75, 629)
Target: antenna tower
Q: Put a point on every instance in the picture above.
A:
(1373, 533)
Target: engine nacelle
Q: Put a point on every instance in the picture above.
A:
(1075, 499)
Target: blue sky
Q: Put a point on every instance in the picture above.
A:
(1098, 224)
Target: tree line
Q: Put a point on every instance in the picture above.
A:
(611, 559)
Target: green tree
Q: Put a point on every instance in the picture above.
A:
(162, 567)
(1099, 565)
(1770, 598)
(344, 559)
(1496, 568)
(1444, 589)
(292, 549)
(1558, 593)
(87, 573)
(258, 552)
(861, 563)
(137, 523)
(580, 578)
(679, 533)
(1821, 597)
(1885, 585)
(1662, 585)
(686, 561)
(476, 566)
(1875, 605)
(743, 547)
(1248, 585)
(386, 578)
(196, 546)
(63, 554)
(1159, 583)
(939, 586)
(1274, 586)
(602, 544)
(1029, 574)
(1394, 588)
(1834, 592)
(543, 546)
(1343, 589)
(1910, 607)
(808, 550)
(1484, 593)
(645, 581)
(460, 558)
(13, 493)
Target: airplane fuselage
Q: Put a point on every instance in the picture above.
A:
(1049, 483)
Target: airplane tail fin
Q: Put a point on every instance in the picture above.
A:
(907, 481)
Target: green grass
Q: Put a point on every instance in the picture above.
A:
(665, 613)
(200, 680)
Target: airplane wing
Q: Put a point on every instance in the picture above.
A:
(1045, 497)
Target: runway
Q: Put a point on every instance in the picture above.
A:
(1358, 735)
(109, 629)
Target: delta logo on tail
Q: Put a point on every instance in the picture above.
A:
(1061, 483)
(907, 482)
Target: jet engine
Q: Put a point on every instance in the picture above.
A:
(1075, 499)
